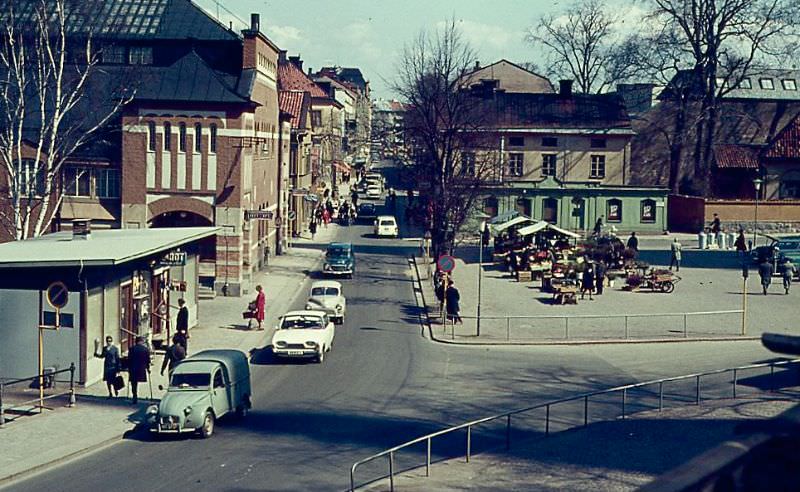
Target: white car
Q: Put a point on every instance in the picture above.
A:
(386, 225)
(327, 296)
(303, 334)
(374, 191)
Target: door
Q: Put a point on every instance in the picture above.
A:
(550, 210)
(220, 394)
(524, 206)
(578, 213)
(126, 333)
(159, 322)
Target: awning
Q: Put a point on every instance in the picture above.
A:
(542, 225)
(86, 210)
(506, 216)
(519, 219)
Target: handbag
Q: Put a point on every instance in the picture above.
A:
(119, 383)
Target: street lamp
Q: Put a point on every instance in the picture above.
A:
(483, 228)
(757, 185)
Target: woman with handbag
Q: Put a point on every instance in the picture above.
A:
(111, 365)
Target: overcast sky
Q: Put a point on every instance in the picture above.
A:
(370, 34)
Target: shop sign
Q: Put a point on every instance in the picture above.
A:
(174, 258)
(258, 215)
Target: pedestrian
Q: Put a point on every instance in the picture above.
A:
(138, 366)
(261, 306)
(633, 242)
(599, 277)
(453, 297)
(587, 281)
(788, 271)
(486, 235)
(439, 289)
(716, 229)
(741, 245)
(182, 324)
(598, 226)
(174, 355)
(354, 197)
(326, 217)
(765, 271)
(111, 364)
(312, 228)
(675, 256)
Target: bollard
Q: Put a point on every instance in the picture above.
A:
(428, 460)
(2, 413)
(508, 432)
(71, 385)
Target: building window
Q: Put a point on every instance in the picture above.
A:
(790, 185)
(468, 163)
(598, 143)
(516, 163)
(77, 181)
(789, 85)
(316, 119)
(490, 206)
(766, 84)
(140, 55)
(549, 142)
(549, 164)
(648, 210)
(167, 136)
(182, 137)
(113, 54)
(516, 141)
(213, 138)
(598, 169)
(745, 84)
(106, 183)
(614, 210)
(198, 138)
(151, 136)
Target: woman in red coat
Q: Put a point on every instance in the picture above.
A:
(261, 305)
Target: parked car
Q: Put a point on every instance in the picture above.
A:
(202, 389)
(386, 225)
(340, 259)
(374, 191)
(777, 251)
(303, 334)
(366, 212)
(327, 296)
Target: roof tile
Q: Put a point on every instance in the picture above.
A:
(729, 156)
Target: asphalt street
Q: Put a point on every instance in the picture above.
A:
(383, 383)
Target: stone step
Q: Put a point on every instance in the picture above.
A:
(206, 293)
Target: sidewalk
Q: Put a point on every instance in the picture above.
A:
(616, 455)
(31, 443)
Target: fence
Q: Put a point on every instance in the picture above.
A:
(584, 398)
(595, 327)
(49, 378)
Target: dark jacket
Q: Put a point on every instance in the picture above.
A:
(633, 243)
(182, 323)
(765, 272)
(453, 298)
(587, 280)
(111, 363)
(174, 355)
(138, 363)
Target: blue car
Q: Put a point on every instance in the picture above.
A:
(340, 259)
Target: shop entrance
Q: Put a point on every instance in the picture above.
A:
(550, 210)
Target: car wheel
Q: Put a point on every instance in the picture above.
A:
(208, 425)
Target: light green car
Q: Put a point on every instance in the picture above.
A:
(202, 389)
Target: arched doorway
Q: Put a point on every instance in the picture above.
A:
(182, 218)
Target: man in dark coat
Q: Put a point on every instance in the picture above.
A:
(174, 355)
(633, 242)
(182, 324)
(765, 271)
(599, 277)
(138, 366)
(587, 281)
(111, 364)
(453, 308)
(598, 226)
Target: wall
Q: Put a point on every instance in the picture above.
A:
(685, 213)
(19, 333)
(691, 214)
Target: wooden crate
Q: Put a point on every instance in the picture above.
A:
(524, 276)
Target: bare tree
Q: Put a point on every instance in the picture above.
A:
(444, 125)
(583, 43)
(724, 41)
(44, 76)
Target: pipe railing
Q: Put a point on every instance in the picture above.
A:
(624, 390)
(39, 402)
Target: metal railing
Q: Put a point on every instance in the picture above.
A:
(624, 390)
(38, 402)
(624, 327)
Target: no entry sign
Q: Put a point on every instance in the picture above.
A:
(446, 263)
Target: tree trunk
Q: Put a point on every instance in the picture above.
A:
(676, 146)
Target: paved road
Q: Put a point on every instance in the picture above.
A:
(383, 383)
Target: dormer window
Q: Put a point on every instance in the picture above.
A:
(766, 84)
(789, 85)
(113, 54)
(140, 55)
(745, 84)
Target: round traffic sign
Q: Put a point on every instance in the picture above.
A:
(277, 221)
(292, 215)
(446, 263)
(57, 295)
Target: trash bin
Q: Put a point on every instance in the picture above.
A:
(702, 240)
(731, 239)
(723, 240)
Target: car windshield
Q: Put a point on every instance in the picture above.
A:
(338, 252)
(788, 244)
(324, 291)
(367, 208)
(302, 323)
(387, 222)
(190, 380)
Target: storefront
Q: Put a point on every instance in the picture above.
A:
(121, 283)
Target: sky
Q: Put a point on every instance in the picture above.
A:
(370, 35)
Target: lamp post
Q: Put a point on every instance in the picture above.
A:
(480, 277)
(757, 185)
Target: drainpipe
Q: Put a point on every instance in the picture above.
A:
(280, 217)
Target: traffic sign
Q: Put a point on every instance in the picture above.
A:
(57, 295)
(446, 263)
(258, 215)
(277, 221)
(292, 215)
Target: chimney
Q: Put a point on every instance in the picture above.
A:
(255, 22)
(310, 71)
(296, 61)
(282, 56)
(81, 229)
(477, 64)
(565, 88)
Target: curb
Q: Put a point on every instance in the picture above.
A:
(611, 341)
